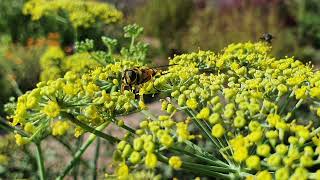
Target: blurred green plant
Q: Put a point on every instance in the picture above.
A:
(84, 19)
(306, 14)
(73, 20)
(166, 20)
(55, 63)
(239, 24)
(19, 67)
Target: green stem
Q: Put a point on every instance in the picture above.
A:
(8, 127)
(132, 43)
(96, 132)
(15, 86)
(209, 161)
(40, 161)
(95, 161)
(146, 113)
(202, 128)
(68, 147)
(128, 129)
(286, 103)
(131, 130)
(207, 133)
(213, 168)
(82, 149)
(196, 169)
(75, 170)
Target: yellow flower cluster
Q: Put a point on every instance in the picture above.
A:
(91, 97)
(258, 115)
(152, 135)
(54, 63)
(260, 112)
(81, 13)
(50, 63)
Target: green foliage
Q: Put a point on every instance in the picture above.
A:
(68, 18)
(19, 68)
(248, 22)
(15, 162)
(306, 15)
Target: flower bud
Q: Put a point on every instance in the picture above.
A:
(218, 131)
(135, 157)
(151, 160)
(126, 151)
(137, 144)
(175, 162)
(263, 150)
(253, 162)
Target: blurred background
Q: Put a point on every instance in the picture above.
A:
(37, 37)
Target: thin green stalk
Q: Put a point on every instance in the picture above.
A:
(96, 132)
(8, 127)
(79, 153)
(131, 130)
(146, 113)
(207, 133)
(40, 162)
(15, 86)
(202, 128)
(68, 147)
(95, 161)
(132, 43)
(196, 169)
(213, 168)
(209, 161)
(285, 104)
(75, 171)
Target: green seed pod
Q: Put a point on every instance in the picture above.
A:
(175, 93)
(182, 100)
(164, 105)
(217, 107)
(116, 156)
(120, 123)
(170, 108)
(121, 145)
(144, 124)
(135, 157)
(149, 146)
(126, 151)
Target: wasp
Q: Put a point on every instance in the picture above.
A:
(139, 75)
(267, 37)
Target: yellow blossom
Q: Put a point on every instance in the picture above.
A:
(52, 109)
(264, 175)
(240, 154)
(175, 162)
(218, 130)
(151, 160)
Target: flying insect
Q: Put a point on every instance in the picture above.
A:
(267, 37)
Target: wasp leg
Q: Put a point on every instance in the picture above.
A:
(135, 91)
(126, 87)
